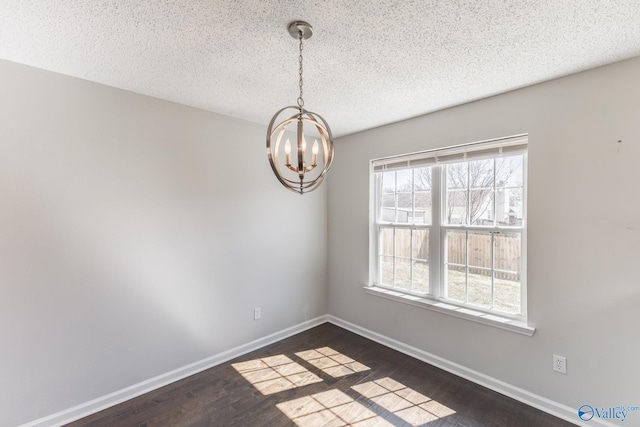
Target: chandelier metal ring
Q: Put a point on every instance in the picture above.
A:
(275, 134)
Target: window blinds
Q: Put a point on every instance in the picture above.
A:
(502, 147)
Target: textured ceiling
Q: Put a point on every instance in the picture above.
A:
(368, 63)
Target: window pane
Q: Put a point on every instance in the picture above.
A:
(457, 193)
(480, 269)
(388, 209)
(456, 280)
(509, 190)
(386, 270)
(420, 276)
(508, 250)
(403, 242)
(509, 205)
(481, 174)
(403, 273)
(456, 210)
(389, 200)
(479, 287)
(504, 215)
(507, 284)
(479, 251)
(481, 207)
(422, 208)
(457, 176)
(457, 247)
(422, 179)
(421, 244)
(481, 192)
(456, 283)
(386, 241)
(404, 181)
(388, 182)
(405, 208)
(421, 261)
(507, 292)
(509, 172)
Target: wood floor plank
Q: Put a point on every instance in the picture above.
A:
(358, 383)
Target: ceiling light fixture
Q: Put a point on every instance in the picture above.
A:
(301, 176)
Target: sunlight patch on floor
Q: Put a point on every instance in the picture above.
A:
(332, 362)
(408, 404)
(275, 374)
(384, 401)
(331, 408)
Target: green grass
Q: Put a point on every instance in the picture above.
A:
(506, 292)
(403, 276)
(506, 296)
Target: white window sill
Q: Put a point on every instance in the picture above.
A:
(460, 312)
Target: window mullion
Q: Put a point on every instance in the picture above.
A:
(411, 258)
(395, 221)
(523, 240)
(493, 265)
(395, 199)
(393, 280)
(413, 220)
(495, 192)
(436, 244)
(413, 196)
(468, 219)
(466, 267)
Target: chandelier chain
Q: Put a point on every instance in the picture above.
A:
(300, 100)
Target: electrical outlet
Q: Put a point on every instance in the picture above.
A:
(257, 313)
(560, 364)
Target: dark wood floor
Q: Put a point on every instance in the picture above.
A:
(348, 381)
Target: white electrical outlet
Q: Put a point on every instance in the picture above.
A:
(560, 364)
(257, 313)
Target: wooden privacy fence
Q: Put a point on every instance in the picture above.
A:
(507, 250)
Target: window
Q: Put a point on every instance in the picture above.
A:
(450, 226)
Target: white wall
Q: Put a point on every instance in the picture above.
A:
(583, 237)
(136, 237)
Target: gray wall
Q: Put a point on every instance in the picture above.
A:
(583, 237)
(136, 237)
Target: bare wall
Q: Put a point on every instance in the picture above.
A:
(136, 237)
(583, 237)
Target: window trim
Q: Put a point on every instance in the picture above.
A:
(435, 298)
(507, 324)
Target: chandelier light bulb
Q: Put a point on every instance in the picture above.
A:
(314, 154)
(287, 153)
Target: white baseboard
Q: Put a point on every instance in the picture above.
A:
(554, 408)
(88, 408)
(104, 402)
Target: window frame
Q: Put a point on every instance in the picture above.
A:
(493, 149)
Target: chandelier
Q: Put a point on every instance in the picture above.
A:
(307, 170)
